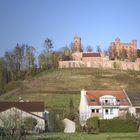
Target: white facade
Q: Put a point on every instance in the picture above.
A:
(108, 108)
(85, 112)
(21, 115)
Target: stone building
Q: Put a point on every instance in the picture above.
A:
(122, 51)
(77, 44)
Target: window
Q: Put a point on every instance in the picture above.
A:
(106, 111)
(93, 110)
(93, 100)
(97, 110)
(111, 111)
(106, 101)
(118, 100)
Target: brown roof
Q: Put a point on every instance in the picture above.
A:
(134, 97)
(96, 94)
(26, 106)
(91, 54)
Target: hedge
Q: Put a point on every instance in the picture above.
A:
(93, 125)
(118, 125)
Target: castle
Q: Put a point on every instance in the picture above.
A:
(77, 44)
(123, 51)
(121, 56)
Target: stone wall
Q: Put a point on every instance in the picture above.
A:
(122, 65)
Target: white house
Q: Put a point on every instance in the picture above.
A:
(106, 104)
(18, 114)
(24, 109)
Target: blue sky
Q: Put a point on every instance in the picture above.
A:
(98, 22)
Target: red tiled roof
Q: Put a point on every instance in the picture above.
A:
(96, 94)
(91, 54)
(26, 106)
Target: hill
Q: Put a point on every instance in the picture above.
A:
(57, 87)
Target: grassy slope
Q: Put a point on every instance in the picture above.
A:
(85, 136)
(56, 87)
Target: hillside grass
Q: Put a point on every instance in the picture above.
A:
(57, 87)
(85, 136)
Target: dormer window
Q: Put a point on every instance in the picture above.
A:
(118, 100)
(93, 100)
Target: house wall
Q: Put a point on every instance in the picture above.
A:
(115, 113)
(108, 110)
(84, 111)
(22, 115)
(133, 111)
(92, 59)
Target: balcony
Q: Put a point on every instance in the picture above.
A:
(110, 104)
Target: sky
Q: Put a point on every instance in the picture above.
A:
(97, 22)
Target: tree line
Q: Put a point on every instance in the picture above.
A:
(22, 62)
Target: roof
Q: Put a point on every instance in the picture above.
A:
(26, 106)
(26, 112)
(96, 94)
(91, 54)
(134, 97)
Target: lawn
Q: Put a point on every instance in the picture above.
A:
(85, 136)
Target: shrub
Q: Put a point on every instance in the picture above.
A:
(118, 125)
(93, 125)
(55, 122)
(30, 123)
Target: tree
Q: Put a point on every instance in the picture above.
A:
(2, 76)
(72, 112)
(89, 48)
(113, 53)
(42, 59)
(123, 54)
(11, 123)
(66, 53)
(30, 123)
(48, 44)
(55, 122)
(71, 46)
(46, 57)
(138, 53)
(98, 49)
(30, 57)
(93, 125)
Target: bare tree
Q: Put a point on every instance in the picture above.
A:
(98, 49)
(48, 44)
(89, 48)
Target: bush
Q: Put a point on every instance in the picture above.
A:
(93, 125)
(30, 123)
(118, 125)
(55, 122)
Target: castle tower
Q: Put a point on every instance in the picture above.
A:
(134, 43)
(77, 43)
